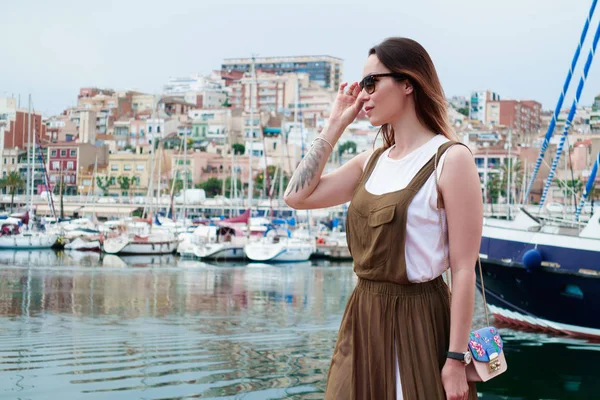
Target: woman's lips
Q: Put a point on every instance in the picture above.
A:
(368, 109)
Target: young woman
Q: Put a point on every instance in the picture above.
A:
(401, 337)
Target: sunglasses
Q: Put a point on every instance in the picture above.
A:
(368, 82)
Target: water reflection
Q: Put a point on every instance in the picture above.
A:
(164, 328)
(543, 367)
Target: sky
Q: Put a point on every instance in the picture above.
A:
(521, 49)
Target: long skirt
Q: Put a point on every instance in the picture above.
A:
(385, 325)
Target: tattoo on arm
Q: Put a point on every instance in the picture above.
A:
(309, 167)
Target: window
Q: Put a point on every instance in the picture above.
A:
(70, 165)
(55, 165)
(53, 178)
(63, 153)
(114, 167)
(5, 161)
(113, 180)
(139, 167)
(158, 129)
(150, 129)
(127, 167)
(73, 153)
(67, 179)
(53, 153)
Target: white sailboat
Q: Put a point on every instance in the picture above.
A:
(19, 236)
(279, 249)
(139, 239)
(214, 243)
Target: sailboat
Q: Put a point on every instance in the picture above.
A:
(545, 275)
(224, 240)
(19, 235)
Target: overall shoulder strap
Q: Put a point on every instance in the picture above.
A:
(371, 164)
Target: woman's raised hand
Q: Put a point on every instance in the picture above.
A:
(346, 105)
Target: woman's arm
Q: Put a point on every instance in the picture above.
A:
(308, 189)
(461, 192)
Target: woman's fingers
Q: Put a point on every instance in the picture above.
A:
(352, 89)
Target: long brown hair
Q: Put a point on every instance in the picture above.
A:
(408, 57)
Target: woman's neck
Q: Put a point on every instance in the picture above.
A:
(409, 134)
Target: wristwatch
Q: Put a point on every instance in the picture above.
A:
(465, 357)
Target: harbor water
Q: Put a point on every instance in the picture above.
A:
(86, 326)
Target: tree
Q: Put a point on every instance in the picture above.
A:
(464, 111)
(212, 187)
(228, 184)
(494, 189)
(13, 182)
(226, 103)
(260, 177)
(125, 183)
(259, 181)
(238, 149)
(103, 183)
(574, 187)
(516, 179)
(346, 147)
(178, 186)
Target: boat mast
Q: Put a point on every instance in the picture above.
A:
(29, 177)
(570, 117)
(559, 104)
(251, 140)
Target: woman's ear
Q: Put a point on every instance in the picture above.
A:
(408, 87)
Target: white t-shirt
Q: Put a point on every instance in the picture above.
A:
(423, 251)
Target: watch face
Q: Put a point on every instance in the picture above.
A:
(468, 357)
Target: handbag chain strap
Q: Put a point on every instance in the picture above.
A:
(446, 261)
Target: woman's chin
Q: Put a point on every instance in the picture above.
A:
(374, 121)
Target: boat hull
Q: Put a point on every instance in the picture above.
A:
(139, 247)
(28, 241)
(545, 299)
(277, 252)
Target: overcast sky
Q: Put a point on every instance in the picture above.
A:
(521, 49)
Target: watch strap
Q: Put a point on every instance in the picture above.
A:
(456, 356)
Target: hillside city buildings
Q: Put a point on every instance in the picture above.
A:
(204, 126)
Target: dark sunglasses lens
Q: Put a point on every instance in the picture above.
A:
(368, 84)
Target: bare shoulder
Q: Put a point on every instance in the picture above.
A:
(458, 160)
(362, 158)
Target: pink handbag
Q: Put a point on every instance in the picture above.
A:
(485, 344)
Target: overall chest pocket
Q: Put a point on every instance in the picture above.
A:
(372, 235)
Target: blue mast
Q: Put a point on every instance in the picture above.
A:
(588, 187)
(570, 117)
(559, 104)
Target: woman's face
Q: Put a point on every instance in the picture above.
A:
(389, 100)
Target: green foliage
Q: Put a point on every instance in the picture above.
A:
(103, 183)
(347, 147)
(574, 185)
(178, 186)
(228, 184)
(13, 182)
(238, 148)
(212, 187)
(124, 183)
(494, 188)
(464, 111)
